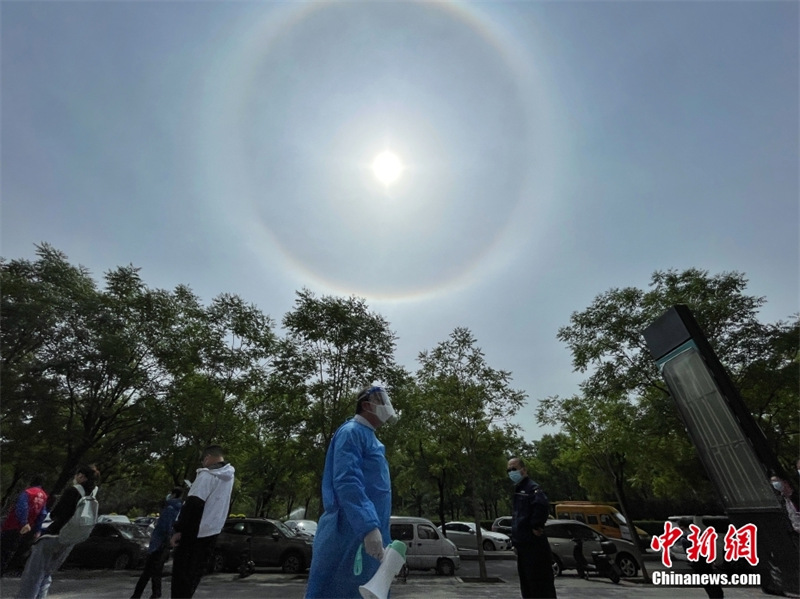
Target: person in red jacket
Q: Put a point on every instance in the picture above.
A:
(24, 521)
(48, 551)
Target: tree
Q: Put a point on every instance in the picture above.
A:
(468, 400)
(83, 380)
(337, 347)
(623, 389)
(216, 358)
(601, 428)
(552, 467)
(761, 358)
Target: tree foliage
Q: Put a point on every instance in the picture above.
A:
(624, 411)
(138, 380)
(469, 403)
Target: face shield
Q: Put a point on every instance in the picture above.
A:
(384, 410)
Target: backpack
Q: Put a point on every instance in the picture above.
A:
(79, 527)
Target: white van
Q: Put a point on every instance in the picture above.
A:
(426, 548)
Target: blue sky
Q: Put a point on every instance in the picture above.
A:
(551, 151)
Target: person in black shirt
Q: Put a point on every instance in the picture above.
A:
(49, 552)
(530, 511)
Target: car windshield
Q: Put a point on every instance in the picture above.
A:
(285, 529)
(620, 517)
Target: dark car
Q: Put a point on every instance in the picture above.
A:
(111, 545)
(262, 541)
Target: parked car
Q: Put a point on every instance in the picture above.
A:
(262, 541)
(303, 527)
(116, 545)
(146, 523)
(426, 547)
(120, 518)
(464, 536)
(502, 525)
(560, 534)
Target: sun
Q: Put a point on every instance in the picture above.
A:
(387, 167)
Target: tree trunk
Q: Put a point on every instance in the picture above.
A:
(623, 507)
(479, 537)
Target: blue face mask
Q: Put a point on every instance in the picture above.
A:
(515, 476)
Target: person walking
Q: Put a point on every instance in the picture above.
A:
(200, 521)
(158, 551)
(530, 511)
(357, 499)
(49, 552)
(23, 523)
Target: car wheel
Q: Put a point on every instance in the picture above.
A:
(445, 567)
(122, 561)
(627, 565)
(488, 545)
(292, 563)
(558, 569)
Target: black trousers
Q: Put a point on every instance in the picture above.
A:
(714, 591)
(189, 563)
(535, 569)
(153, 569)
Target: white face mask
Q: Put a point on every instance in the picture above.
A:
(385, 413)
(777, 485)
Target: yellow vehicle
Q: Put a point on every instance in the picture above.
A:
(605, 519)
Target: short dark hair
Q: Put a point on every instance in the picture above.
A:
(177, 492)
(36, 480)
(214, 450)
(363, 396)
(519, 459)
(92, 475)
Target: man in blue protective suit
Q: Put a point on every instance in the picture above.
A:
(357, 497)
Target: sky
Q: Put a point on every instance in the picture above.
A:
(550, 151)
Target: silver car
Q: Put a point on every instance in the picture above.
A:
(426, 547)
(502, 525)
(464, 535)
(303, 527)
(560, 534)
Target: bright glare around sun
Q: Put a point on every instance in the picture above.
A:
(387, 167)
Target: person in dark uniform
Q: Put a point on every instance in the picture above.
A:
(701, 566)
(530, 511)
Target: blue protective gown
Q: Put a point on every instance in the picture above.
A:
(357, 497)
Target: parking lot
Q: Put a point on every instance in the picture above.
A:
(268, 583)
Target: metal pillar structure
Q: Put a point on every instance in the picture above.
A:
(728, 441)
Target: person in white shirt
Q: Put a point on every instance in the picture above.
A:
(200, 521)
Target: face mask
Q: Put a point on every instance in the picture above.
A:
(385, 413)
(798, 473)
(777, 485)
(515, 476)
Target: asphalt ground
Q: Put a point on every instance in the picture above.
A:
(270, 583)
